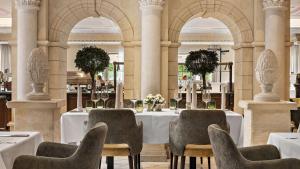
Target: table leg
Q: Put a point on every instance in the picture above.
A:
(110, 162)
(192, 162)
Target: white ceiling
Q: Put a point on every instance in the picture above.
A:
(96, 25)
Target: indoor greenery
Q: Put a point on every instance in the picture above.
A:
(202, 62)
(92, 60)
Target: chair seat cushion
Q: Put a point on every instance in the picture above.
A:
(116, 150)
(194, 150)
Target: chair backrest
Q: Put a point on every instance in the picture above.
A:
(226, 154)
(193, 125)
(120, 122)
(89, 151)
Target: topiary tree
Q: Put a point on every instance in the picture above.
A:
(202, 62)
(92, 60)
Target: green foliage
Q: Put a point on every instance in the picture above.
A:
(201, 62)
(91, 60)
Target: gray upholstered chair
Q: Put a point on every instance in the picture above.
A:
(61, 156)
(124, 136)
(189, 136)
(258, 157)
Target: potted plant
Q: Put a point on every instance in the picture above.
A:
(202, 62)
(92, 60)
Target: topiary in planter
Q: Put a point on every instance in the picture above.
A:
(92, 60)
(202, 62)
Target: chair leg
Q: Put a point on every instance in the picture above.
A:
(175, 161)
(208, 159)
(135, 162)
(139, 161)
(130, 161)
(171, 160)
(182, 163)
(201, 160)
(100, 160)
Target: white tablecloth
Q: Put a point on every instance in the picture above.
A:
(287, 143)
(12, 147)
(155, 124)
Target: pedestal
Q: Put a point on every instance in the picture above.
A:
(262, 118)
(41, 116)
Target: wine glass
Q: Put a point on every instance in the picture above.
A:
(95, 98)
(178, 98)
(133, 101)
(104, 97)
(206, 97)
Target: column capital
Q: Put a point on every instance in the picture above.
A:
(28, 4)
(152, 4)
(275, 4)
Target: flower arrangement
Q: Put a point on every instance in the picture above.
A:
(154, 102)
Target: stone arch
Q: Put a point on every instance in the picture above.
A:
(69, 16)
(230, 15)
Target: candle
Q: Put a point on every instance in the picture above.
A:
(194, 96)
(188, 92)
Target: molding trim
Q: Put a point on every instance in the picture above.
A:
(275, 4)
(28, 4)
(152, 4)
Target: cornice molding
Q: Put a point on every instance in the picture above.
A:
(275, 4)
(152, 4)
(28, 4)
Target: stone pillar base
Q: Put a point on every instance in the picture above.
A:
(262, 118)
(41, 116)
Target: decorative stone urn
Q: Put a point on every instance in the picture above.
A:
(267, 74)
(37, 67)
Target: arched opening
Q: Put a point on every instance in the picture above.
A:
(208, 34)
(102, 33)
(242, 35)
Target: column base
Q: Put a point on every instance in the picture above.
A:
(262, 118)
(41, 116)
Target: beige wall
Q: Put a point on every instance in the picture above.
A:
(57, 18)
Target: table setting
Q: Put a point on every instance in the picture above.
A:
(14, 144)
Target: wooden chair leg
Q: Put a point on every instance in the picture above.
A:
(139, 161)
(175, 161)
(171, 160)
(100, 160)
(201, 160)
(135, 162)
(182, 162)
(130, 161)
(208, 159)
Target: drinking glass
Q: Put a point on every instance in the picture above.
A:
(104, 97)
(172, 104)
(139, 106)
(95, 97)
(89, 105)
(134, 102)
(206, 97)
(178, 98)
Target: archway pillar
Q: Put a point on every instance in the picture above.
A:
(151, 46)
(27, 33)
(275, 13)
(57, 70)
(173, 69)
(132, 70)
(243, 82)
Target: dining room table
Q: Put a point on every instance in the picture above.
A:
(155, 127)
(14, 144)
(288, 144)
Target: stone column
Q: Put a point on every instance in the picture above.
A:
(151, 40)
(27, 40)
(275, 31)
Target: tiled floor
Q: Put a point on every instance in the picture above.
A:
(122, 163)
